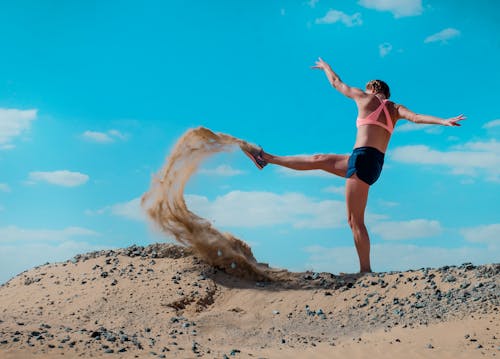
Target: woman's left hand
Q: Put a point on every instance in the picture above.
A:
(321, 65)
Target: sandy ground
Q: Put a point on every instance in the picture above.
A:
(162, 302)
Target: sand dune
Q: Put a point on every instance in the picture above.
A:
(162, 301)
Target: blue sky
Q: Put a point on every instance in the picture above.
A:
(95, 94)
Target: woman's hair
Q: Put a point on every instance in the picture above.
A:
(379, 86)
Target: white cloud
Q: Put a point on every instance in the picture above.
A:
(384, 49)
(131, 210)
(410, 126)
(387, 203)
(118, 134)
(416, 228)
(61, 178)
(391, 256)
(312, 3)
(250, 209)
(488, 234)
(492, 124)
(222, 170)
(486, 146)
(19, 257)
(4, 187)
(94, 136)
(311, 173)
(255, 209)
(477, 158)
(15, 234)
(103, 137)
(333, 16)
(397, 7)
(443, 36)
(335, 189)
(13, 123)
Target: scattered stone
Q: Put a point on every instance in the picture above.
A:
(234, 352)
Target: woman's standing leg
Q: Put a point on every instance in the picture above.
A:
(336, 164)
(356, 199)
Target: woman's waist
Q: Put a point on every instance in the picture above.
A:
(370, 146)
(378, 142)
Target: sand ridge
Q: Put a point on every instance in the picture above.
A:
(163, 301)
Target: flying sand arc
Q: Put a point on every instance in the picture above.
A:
(166, 207)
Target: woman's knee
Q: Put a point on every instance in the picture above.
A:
(319, 158)
(356, 223)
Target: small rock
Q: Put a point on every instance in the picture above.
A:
(430, 346)
(235, 351)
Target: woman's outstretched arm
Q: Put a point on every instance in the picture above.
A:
(403, 112)
(336, 82)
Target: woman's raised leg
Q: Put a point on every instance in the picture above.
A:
(336, 164)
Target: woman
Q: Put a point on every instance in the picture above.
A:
(377, 117)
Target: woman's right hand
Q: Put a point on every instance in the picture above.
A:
(454, 120)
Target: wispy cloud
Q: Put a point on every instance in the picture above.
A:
(103, 137)
(13, 123)
(60, 178)
(333, 16)
(249, 209)
(416, 228)
(475, 158)
(383, 203)
(4, 187)
(335, 189)
(487, 234)
(256, 209)
(130, 209)
(443, 36)
(293, 173)
(16, 234)
(397, 7)
(492, 124)
(221, 170)
(312, 3)
(410, 126)
(384, 49)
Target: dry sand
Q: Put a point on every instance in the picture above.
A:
(162, 301)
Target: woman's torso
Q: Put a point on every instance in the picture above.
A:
(372, 135)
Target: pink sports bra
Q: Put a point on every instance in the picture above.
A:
(371, 119)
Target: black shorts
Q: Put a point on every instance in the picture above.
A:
(367, 163)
